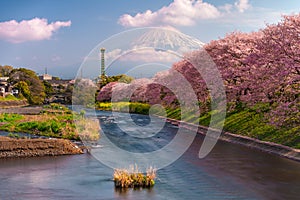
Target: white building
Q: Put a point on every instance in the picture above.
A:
(45, 77)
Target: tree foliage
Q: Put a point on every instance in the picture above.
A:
(84, 91)
(24, 89)
(258, 68)
(5, 70)
(122, 78)
(29, 84)
(263, 67)
(48, 88)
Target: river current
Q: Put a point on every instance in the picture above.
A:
(230, 171)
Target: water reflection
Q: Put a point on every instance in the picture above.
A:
(134, 193)
(229, 172)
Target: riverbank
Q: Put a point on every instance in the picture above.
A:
(30, 110)
(10, 147)
(244, 127)
(13, 103)
(52, 120)
(269, 147)
(132, 107)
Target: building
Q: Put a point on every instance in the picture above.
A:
(45, 77)
(62, 91)
(60, 84)
(6, 88)
(3, 86)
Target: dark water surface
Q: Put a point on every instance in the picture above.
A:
(229, 172)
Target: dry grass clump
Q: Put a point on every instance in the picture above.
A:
(132, 177)
(88, 129)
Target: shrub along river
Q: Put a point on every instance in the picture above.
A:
(230, 171)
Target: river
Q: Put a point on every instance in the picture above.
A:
(230, 171)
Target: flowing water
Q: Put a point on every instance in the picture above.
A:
(229, 172)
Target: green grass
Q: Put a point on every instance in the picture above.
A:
(248, 122)
(174, 113)
(6, 117)
(132, 107)
(55, 121)
(251, 123)
(9, 98)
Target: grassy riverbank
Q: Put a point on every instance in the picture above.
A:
(53, 121)
(244, 121)
(132, 107)
(9, 98)
(250, 122)
(11, 101)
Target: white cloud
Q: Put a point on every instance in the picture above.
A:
(227, 8)
(179, 12)
(149, 55)
(141, 55)
(113, 54)
(55, 58)
(183, 13)
(251, 21)
(29, 30)
(242, 5)
(140, 19)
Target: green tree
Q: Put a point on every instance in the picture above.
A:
(84, 92)
(123, 78)
(24, 89)
(48, 88)
(68, 93)
(36, 94)
(5, 70)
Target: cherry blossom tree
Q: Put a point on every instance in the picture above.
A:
(258, 67)
(277, 64)
(263, 67)
(230, 55)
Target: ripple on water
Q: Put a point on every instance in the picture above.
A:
(229, 172)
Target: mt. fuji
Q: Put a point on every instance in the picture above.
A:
(142, 51)
(166, 39)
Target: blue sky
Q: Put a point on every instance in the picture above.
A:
(59, 34)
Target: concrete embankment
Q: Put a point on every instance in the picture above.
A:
(36, 147)
(270, 147)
